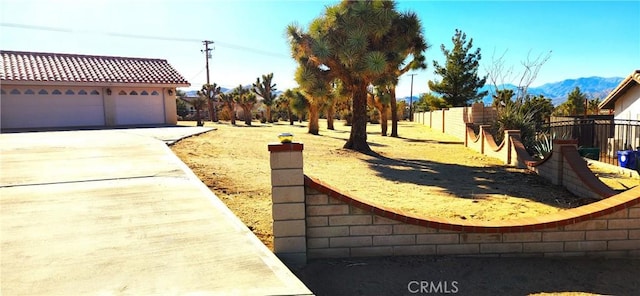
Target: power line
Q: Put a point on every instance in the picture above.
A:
(194, 76)
(138, 36)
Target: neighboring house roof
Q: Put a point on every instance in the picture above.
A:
(626, 84)
(21, 66)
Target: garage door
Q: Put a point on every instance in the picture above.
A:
(35, 108)
(136, 107)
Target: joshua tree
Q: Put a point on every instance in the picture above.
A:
(354, 42)
(228, 100)
(380, 98)
(199, 103)
(266, 90)
(211, 91)
(246, 99)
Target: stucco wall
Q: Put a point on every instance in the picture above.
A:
(80, 95)
(628, 105)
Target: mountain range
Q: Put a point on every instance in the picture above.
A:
(593, 87)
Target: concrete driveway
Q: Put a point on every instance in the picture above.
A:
(115, 212)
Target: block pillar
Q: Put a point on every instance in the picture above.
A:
(512, 154)
(287, 194)
(557, 160)
(483, 139)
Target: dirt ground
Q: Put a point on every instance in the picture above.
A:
(423, 173)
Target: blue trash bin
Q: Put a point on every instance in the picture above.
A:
(627, 159)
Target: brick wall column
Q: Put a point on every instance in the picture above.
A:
(287, 194)
(481, 135)
(512, 156)
(444, 121)
(557, 160)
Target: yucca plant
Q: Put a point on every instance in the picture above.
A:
(514, 117)
(543, 146)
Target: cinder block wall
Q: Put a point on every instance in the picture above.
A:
(453, 121)
(455, 124)
(341, 226)
(314, 220)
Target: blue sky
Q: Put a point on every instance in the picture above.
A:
(592, 38)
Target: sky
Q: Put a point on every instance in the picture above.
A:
(590, 38)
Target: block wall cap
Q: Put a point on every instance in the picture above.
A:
(285, 147)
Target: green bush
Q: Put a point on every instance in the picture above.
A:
(514, 116)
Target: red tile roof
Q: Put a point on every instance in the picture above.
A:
(56, 67)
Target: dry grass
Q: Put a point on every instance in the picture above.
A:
(423, 173)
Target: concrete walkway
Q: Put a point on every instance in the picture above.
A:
(115, 212)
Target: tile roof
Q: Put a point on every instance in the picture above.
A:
(56, 67)
(631, 80)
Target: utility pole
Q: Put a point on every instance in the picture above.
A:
(411, 99)
(207, 56)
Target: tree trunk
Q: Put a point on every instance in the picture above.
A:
(290, 114)
(358, 137)
(215, 112)
(384, 119)
(247, 114)
(314, 117)
(210, 108)
(198, 119)
(394, 113)
(269, 120)
(232, 110)
(331, 112)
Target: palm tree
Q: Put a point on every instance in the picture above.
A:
(357, 43)
(266, 90)
(228, 100)
(246, 99)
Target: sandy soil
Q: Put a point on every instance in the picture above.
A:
(423, 173)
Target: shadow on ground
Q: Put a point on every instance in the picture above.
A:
(473, 276)
(469, 181)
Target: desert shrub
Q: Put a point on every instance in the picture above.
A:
(224, 114)
(514, 116)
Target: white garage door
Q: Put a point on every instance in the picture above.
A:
(139, 107)
(35, 108)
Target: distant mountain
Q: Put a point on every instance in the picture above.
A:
(194, 93)
(593, 87)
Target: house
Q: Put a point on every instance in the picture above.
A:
(53, 90)
(624, 100)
